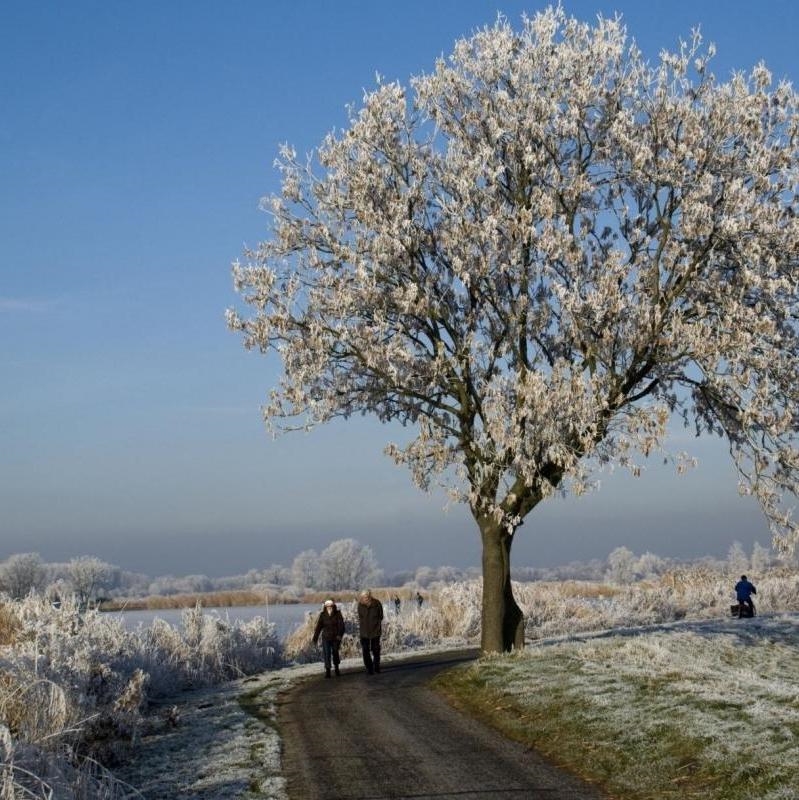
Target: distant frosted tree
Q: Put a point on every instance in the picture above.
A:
(275, 573)
(621, 565)
(650, 565)
(447, 574)
(737, 560)
(87, 576)
(347, 564)
(399, 578)
(191, 584)
(164, 585)
(21, 573)
(305, 569)
(762, 558)
(535, 258)
(132, 584)
(424, 576)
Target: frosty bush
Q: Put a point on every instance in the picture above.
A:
(553, 609)
(53, 774)
(205, 651)
(73, 686)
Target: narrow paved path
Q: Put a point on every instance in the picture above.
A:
(375, 737)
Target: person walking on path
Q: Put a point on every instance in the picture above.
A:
(370, 621)
(330, 625)
(743, 593)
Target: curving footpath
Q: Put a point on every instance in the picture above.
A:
(375, 737)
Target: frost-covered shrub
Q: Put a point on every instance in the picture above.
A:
(73, 686)
(460, 607)
(204, 651)
(563, 608)
(635, 607)
(27, 771)
(779, 594)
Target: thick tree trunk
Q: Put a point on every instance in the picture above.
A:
(503, 622)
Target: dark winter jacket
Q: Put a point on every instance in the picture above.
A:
(331, 626)
(370, 617)
(744, 590)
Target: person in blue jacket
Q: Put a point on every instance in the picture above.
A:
(743, 592)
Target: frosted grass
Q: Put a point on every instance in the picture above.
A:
(74, 687)
(713, 703)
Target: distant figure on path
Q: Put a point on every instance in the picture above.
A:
(743, 592)
(419, 599)
(370, 620)
(396, 604)
(330, 625)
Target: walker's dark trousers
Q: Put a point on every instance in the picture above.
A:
(330, 651)
(371, 653)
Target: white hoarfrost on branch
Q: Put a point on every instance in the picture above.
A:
(540, 254)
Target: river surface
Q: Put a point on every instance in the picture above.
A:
(286, 617)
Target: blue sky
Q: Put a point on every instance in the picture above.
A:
(136, 140)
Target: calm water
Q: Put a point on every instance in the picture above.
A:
(285, 617)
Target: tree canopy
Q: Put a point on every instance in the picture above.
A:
(540, 255)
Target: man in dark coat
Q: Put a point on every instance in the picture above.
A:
(330, 625)
(370, 620)
(743, 593)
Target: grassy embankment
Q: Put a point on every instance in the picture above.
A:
(701, 711)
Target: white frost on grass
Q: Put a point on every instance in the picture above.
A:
(216, 750)
(729, 688)
(220, 749)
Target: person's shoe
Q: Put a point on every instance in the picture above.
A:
(327, 673)
(337, 672)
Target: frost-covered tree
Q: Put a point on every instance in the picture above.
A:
(621, 565)
(537, 256)
(762, 558)
(275, 574)
(347, 564)
(21, 573)
(305, 569)
(424, 576)
(650, 565)
(87, 575)
(737, 560)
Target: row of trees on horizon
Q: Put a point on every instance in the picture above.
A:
(344, 564)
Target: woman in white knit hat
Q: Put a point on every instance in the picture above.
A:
(330, 625)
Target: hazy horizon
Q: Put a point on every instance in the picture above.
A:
(559, 531)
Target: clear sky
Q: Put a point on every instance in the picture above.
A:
(136, 140)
